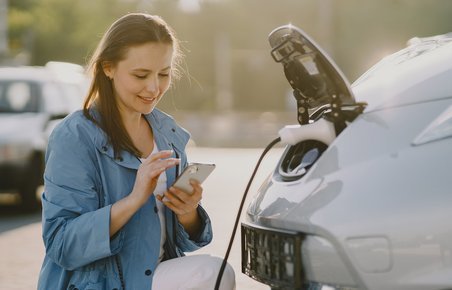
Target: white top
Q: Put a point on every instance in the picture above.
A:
(160, 190)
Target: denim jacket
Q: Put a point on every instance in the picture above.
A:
(82, 180)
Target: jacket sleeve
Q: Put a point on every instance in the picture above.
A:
(76, 229)
(202, 239)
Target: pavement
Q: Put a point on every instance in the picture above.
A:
(22, 250)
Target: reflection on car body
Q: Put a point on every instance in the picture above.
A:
(373, 210)
(32, 101)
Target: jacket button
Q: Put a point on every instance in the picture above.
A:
(148, 272)
(104, 148)
(120, 159)
(115, 289)
(172, 129)
(71, 287)
(156, 209)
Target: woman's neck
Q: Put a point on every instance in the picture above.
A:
(140, 133)
(132, 122)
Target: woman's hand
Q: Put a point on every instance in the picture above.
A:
(185, 206)
(146, 180)
(148, 174)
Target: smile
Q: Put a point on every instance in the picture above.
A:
(147, 100)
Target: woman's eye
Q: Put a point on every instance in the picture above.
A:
(164, 75)
(140, 76)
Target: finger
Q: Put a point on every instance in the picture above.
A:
(169, 205)
(180, 209)
(159, 155)
(155, 173)
(197, 188)
(173, 203)
(162, 164)
(184, 199)
(170, 162)
(172, 196)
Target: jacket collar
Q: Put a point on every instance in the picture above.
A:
(126, 159)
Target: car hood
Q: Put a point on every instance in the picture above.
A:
(412, 75)
(357, 185)
(377, 146)
(23, 126)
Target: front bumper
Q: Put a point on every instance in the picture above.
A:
(271, 257)
(290, 260)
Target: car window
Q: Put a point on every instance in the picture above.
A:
(74, 94)
(53, 99)
(61, 98)
(17, 97)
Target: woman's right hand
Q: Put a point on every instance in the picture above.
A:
(147, 175)
(149, 172)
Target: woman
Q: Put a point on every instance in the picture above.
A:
(108, 167)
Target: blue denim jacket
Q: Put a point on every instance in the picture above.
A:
(82, 180)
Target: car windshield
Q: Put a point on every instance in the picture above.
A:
(18, 97)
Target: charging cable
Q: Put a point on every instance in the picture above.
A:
(237, 219)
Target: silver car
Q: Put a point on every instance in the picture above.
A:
(32, 101)
(362, 195)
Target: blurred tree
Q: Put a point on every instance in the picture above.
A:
(69, 30)
(62, 30)
(228, 64)
(20, 22)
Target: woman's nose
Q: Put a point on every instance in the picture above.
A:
(152, 86)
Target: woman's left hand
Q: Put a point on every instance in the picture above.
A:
(185, 205)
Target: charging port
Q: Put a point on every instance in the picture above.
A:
(298, 159)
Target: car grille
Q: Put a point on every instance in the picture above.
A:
(272, 257)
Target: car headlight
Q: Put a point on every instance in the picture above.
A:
(439, 129)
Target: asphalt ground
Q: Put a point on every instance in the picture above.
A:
(22, 250)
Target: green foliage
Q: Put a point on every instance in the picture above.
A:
(64, 30)
(226, 41)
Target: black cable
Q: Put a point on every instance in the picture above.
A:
(237, 219)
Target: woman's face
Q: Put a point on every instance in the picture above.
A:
(142, 77)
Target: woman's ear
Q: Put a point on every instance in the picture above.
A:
(108, 69)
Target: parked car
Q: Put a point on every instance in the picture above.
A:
(32, 101)
(364, 201)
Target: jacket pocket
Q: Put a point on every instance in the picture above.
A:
(89, 277)
(81, 282)
(89, 286)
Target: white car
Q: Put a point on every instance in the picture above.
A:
(363, 199)
(32, 101)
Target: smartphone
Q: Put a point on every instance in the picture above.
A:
(196, 171)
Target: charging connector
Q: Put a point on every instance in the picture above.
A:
(321, 130)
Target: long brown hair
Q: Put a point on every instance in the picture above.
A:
(130, 30)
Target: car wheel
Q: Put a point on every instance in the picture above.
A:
(32, 181)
